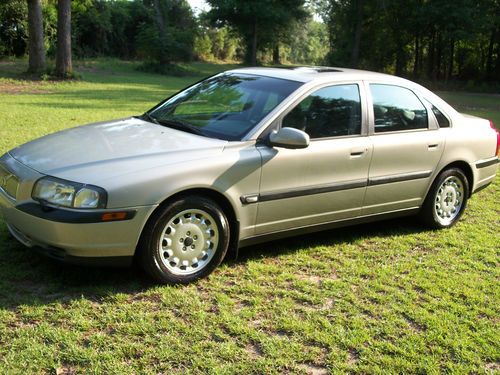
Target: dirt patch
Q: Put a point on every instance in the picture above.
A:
(312, 369)
(310, 278)
(65, 370)
(492, 367)
(352, 357)
(25, 88)
(254, 350)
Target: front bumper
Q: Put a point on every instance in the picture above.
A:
(71, 235)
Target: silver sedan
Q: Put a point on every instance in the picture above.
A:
(243, 157)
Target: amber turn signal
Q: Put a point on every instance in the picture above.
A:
(114, 216)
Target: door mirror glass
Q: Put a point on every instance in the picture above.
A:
(289, 138)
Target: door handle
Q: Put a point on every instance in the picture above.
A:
(357, 152)
(433, 146)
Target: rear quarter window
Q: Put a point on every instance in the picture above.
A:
(440, 116)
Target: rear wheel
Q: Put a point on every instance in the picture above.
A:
(446, 200)
(185, 241)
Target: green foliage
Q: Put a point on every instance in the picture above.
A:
(13, 27)
(306, 44)
(176, 42)
(99, 28)
(433, 39)
(260, 23)
(217, 44)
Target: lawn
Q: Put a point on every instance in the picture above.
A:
(391, 297)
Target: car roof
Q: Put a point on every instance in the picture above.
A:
(326, 74)
(319, 73)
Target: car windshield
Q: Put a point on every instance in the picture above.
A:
(225, 106)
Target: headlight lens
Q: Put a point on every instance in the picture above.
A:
(69, 194)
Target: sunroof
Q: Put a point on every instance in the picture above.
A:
(317, 69)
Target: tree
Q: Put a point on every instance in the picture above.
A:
(64, 65)
(259, 21)
(169, 34)
(13, 27)
(35, 40)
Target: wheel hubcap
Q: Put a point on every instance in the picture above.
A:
(189, 242)
(449, 200)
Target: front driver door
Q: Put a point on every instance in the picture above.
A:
(326, 181)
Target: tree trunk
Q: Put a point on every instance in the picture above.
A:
(416, 63)
(489, 60)
(64, 65)
(496, 71)
(276, 54)
(431, 67)
(449, 73)
(357, 34)
(400, 57)
(253, 53)
(160, 22)
(35, 41)
(439, 57)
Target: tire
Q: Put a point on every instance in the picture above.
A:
(184, 241)
(446, 201)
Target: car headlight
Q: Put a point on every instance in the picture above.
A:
(69, 194)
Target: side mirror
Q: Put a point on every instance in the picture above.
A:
(289, 138)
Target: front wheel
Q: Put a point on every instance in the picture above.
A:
(185, 241)
(446, 200)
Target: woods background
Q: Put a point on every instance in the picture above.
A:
(431, 40)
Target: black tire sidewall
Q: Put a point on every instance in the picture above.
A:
(428, 212)
(150, 249)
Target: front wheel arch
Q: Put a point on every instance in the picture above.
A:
(214, 195)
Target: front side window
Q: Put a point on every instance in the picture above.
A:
(397, 108)
(226, 106)
(328, 112)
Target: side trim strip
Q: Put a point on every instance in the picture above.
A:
(292, 193)
(487, 163)
(319, 189)
(398, 178)
(312, 190)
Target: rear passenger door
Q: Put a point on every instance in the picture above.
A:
(407, 146)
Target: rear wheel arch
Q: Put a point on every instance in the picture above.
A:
(466, 170)
(446, 199)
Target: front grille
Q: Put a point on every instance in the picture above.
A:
(9, 183)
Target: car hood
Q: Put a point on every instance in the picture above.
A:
(113, 148)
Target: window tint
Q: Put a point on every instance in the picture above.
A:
(397, 108)
(440, 117)
(226, 106)
(329, 112)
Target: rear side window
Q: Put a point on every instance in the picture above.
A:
(332, 111)
(440, 117)
(397, 109)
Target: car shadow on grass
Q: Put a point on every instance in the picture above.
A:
(29, 278)
(332, 237)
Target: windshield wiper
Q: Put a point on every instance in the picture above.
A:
(181, 125)
(149, 118)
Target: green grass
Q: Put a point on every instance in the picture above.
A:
(391, 297)
(482, 105)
